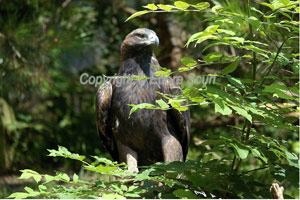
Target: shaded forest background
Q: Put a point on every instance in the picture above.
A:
(44, 48)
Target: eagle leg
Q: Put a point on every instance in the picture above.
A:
(172, 149)
(128, 156)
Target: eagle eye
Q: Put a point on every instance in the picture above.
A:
(141, 36)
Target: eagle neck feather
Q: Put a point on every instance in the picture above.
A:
(139, 64)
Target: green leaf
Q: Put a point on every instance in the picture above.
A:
(62, 176)
(236, 82)
(112, 196)
(124, 187)
(208, 37)
(63, 150)
(193, 38)
(151, 6)
(104, 160)
(162, 104)
(238, 39)
(53, 152)
(138, 107)
(188, 61)
(101, 169)
(242, 112)
(137, 14)
(257, 50)
(285, 14)
(214, 56)
(256, 153)
(65, 177)
(28, 189)
(31, 192)
(269, 16)
(144, 175)
(277, 4)
(19, 195)
(75, 177)
(49, 178)
(267, 4)
(181, 5)
(184, 194)
(229, 32)
(163, 73)
(28, 173)
(278, 90)
(220, 107)
(202, 5)
(285, 2)
(211, 29)
(256, 10)
(256, 111)
(230, 68)
(215, 44)
(165, 7)
(292, 159)
(257, 42)
(216, 9)
(132, 195)
(66, 196)
(204, 35)
(76, 156)
(247, 56)
(228, 58)
(240, 150)
(254, 21)
(42, 188)
(184, 69)
(182, 108)
(132, 188)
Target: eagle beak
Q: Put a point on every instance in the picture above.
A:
(154, 40)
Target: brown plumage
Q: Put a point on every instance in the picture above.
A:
(148, 136)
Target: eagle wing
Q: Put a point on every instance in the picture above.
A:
(104, 122)
(181, 121)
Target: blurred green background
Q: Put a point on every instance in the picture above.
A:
(44, 48)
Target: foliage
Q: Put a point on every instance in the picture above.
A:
(263, 96)
(193, 179)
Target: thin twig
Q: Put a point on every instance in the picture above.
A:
(163, 11)
(249, 124)
(273, 63)
(232, 165)
(252, 170)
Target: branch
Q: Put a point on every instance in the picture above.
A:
(253, 170)
(248, 124)
(273, 63)
(170, 11)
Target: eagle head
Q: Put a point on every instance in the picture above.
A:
(138, 40)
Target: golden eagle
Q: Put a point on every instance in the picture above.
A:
(148, 136)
